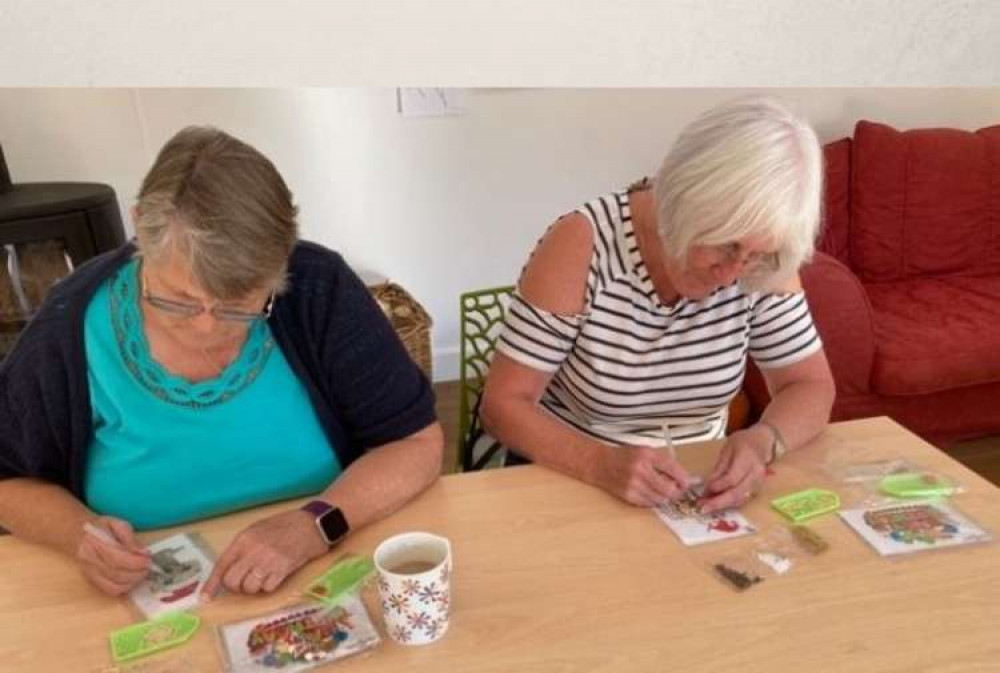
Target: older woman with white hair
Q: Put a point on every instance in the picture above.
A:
(217, 364)
(634, 316)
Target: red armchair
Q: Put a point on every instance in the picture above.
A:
(905, 288)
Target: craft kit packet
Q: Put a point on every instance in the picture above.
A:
(298, 638)
(179, 567)
(905, 527)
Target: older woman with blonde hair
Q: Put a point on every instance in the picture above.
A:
(634, 316)
(216, 364)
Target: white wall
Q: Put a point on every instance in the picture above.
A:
(440, 205)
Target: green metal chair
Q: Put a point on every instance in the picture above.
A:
(482, 313)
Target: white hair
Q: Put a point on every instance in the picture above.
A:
(746, 167)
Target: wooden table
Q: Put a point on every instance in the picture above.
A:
(552, 575)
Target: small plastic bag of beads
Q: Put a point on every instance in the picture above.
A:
(750, 565)
(298, 638)
(779, 549)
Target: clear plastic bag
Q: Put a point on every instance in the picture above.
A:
(740, 570)
(772, 554)
(181, 564)
(776, 548)
(875, 483)
(904, 527)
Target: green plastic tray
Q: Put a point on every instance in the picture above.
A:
(807, 504)
(157, 634)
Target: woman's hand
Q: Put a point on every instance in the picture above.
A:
(739, 471)
(642, 476)
(264, 554)
(114, 565)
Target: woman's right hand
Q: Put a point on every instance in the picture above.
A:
(642, 476)
(113, 567)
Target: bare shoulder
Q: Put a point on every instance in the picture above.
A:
(555, 277)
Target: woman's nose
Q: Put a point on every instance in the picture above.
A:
(204, 322)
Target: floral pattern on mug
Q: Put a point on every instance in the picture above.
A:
(415, 607)
(401, 633)
(430, 593)
(398, 602)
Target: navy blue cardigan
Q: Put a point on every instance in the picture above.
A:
(363, 385)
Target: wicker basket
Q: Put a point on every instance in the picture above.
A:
(410, 320)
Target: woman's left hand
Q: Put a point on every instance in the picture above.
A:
(739, 471)
(264, 554)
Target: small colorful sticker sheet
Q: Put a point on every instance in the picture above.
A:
(694, 528)
(911, 527)
(179, 566)
(298, 638)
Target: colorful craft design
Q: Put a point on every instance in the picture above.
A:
(687, 508)
(409, 605)
(307, 636)
(912, 523)
(167, 575)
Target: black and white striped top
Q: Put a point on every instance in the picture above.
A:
(627, 364)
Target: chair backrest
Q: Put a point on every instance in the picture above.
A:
(482, 313)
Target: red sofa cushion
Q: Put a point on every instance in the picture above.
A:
(837, 199)
(934, 334)
(924, 202)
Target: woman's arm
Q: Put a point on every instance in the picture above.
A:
(43, 513)
(49, 515)
(802, 395)
(510, 411)
(384, 479)
(264, 554)
(554, 280)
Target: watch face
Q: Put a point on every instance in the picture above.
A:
(333, 526)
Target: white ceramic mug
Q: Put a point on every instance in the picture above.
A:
(414, 584)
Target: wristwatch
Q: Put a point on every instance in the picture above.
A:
(330, 521)
(778, 446)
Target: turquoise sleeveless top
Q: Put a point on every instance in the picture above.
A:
(166, 451)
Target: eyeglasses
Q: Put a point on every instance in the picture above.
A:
(185, 310)
(754, 263)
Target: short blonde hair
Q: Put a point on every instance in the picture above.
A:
(746, 167)
(224, 206)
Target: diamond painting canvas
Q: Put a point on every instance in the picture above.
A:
(298, 638)
(179, 565)
(911, 527)
(694, 528)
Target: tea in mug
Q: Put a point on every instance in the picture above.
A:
(412, 567)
